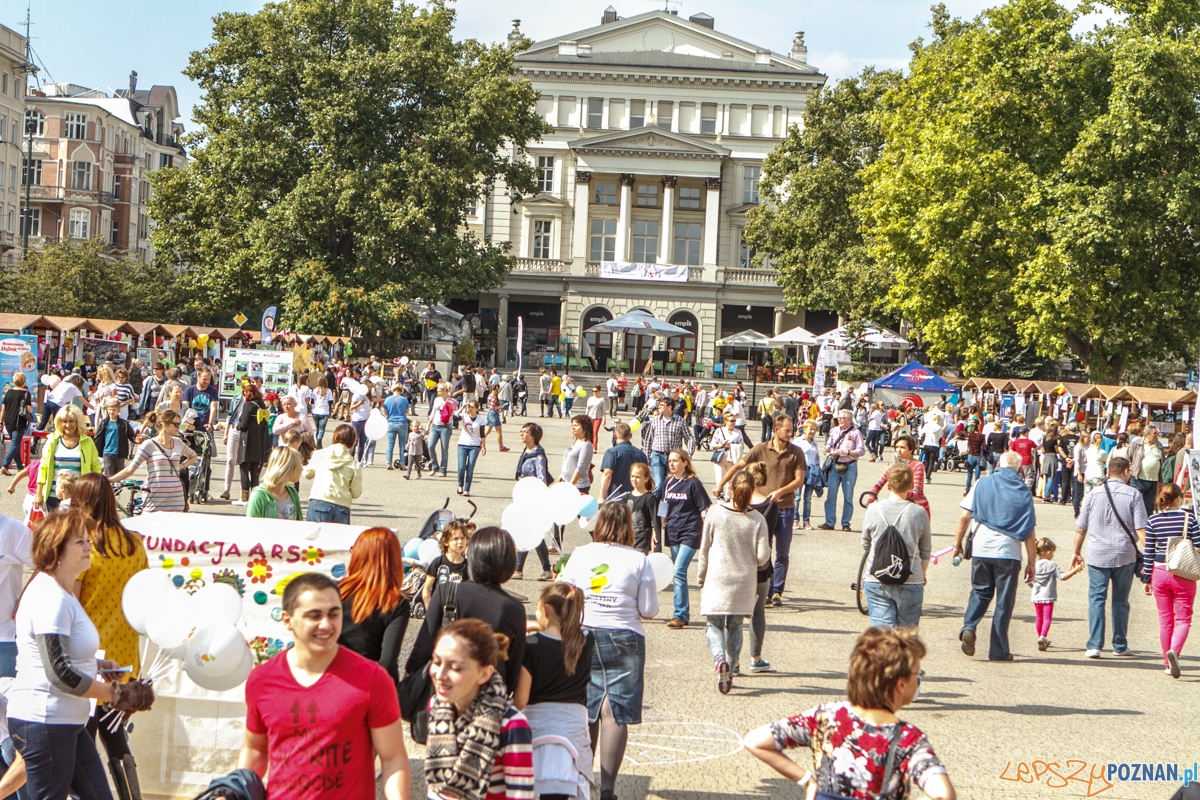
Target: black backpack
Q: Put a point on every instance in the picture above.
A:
(892, 564)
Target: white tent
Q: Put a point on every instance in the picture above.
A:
(872, 336)
(796, 336)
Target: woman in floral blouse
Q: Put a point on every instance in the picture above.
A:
(850, 741)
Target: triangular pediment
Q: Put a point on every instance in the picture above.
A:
(650, 142)
(543, 199)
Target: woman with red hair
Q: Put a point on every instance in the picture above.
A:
(374, 614)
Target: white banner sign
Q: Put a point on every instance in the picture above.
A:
(677, 273)
(273, 366)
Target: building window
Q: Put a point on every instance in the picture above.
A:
(5, 82)
(37, 171)
(603, 244)
(542, 228)
(11, 217)
(689, 197)
(645, 241)
(165, 160)
(595, 112)
(606, 194)
(666, 110)
(31, 218)
(114, 238)
(708, 118)
(472, 208)
(81, 220)
(35, 121)
(647, 196)
(637, 114)
(81, 175)
(745, 251)
(117, 186)
(12, 176)
(545, 174)
(750, 183)
(76, 126)
(687, 243)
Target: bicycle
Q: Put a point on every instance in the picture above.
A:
(859, 585)
(132, 507)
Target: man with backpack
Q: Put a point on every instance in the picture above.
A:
(897, 539)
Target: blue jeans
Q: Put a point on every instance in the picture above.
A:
(466, 466)
(58, 759)
(1053, 484)
(658, 471)
(846, 482)
(439, 433)
(1098, 579)
(10, 755)
(990, 577)
(8, 659)
(14, 449)
(783, 547)
(320, 420)
(325, 511)
(568, 401)
(360, 441)
(682, 555)
(724, 633)
(807, 493)
(618, 673)
(974, 469)
(873, 439)
(397, 430)
(894, 606)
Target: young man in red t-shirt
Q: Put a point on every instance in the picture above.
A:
(317, 714)
(1024, 446)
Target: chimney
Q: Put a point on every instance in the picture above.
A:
(610, 16)
(762, 57)
(585, 50)
(568, 47)
(132, 84)
(515, 34)
(799, 48)
(702, 19)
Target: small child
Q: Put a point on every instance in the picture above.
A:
(29, 473)
(1045, 588)
(414, 448)
(451, 565)
(64, 482)
(643, 505)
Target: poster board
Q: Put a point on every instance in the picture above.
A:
(273, 366)
(19, 354)
(102, 347)
(193, 735)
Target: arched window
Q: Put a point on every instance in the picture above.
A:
(687, 321)
(601, 344)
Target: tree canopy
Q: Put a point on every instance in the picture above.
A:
(341, 143)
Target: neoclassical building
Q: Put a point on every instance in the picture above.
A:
(660, 126)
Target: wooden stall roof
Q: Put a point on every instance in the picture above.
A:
(1153, 396)
(75, 324)
(180, 331)
(225, 334)
(1103, 391)
(20, 322)
(1073, 389)
(154, 328)
(108, 326)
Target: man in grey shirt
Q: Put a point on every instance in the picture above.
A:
(1114, 517)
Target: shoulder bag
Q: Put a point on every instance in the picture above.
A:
(830, 461)
(414, 689)
(893, 749)
(1139, 562)
(1183, 557)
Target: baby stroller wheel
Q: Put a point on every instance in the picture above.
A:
(397, 464)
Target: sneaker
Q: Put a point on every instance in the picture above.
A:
(1042, 643)
(735, 670)
(406, 477)
(1094, 653)
(237, 503)
(824, 526)
(676, 622)
(777, 600)
(760, 665)
(1173, 663)
(504, 449)
(724, 679)
(967, 637)
(1125, 652)
(846, 528)
(808, 526)
(389, 467)
(546, 575)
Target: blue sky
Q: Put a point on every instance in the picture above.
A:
(156, 39)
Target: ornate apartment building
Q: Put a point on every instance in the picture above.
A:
(660, 125)
(13, 70)
(92, 155)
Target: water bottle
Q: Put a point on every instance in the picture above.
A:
(957, 560)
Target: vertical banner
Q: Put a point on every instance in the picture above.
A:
(819, 372)
(520, 343)
(268, 325)
(19, 354)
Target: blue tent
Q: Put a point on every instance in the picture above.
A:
(915, 377)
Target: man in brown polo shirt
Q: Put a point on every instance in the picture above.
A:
(785, 474)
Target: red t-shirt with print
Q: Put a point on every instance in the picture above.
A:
(1024, 447)
(319, 736)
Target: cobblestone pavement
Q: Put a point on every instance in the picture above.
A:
(994, 725)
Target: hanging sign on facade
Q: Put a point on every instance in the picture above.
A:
(677, 273)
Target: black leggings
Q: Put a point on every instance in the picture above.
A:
(249, 474)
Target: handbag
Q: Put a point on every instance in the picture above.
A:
(893, 747)
(969, 543)
(1139, 562)
(415, 688)
(1183, 558)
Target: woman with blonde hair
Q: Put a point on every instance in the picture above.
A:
(166, 458)
(106, 387)
(275, 497)
(68, 449)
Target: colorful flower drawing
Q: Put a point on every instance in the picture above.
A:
(231, 578)
(265, 648)
(313, 556)
(259, 571)
(598, 579)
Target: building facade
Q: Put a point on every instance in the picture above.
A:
(92, 157)
(13, 71)
(660, 126)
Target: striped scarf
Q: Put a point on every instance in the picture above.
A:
(462, 748)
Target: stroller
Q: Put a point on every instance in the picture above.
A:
(414, 579)
(705, 440)
(200, 473)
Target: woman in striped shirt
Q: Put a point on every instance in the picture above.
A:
(165, 457)
(480, 746)
(1172, 594)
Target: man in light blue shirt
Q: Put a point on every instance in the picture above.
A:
(396, 408)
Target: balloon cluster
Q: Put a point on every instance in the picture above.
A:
(536, 507)
(423, 551)
(199, 629)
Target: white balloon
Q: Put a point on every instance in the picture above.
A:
(223, 683)
(664, 570)
(565, 502)
(428, 551)
(525, 524)
(140, 594)
(530, 490)
(377, 426)
(218, 602)
(354, 386)
(587, 524)
(403, 361)
(215, 650)
(171, 619)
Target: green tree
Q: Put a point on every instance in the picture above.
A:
(341, 142)
(807, 226)
(84, 279)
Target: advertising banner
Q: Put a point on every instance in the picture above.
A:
(268, 326)
(677, 273)
(19, 354)
(102, 347)
(273, 366)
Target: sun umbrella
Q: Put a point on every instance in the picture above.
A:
(751, 340)
(795, 336)
(639, 322)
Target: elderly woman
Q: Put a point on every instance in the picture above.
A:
(291, 419)
(1146, 455)
(69, 449)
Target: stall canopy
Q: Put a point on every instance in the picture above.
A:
(795, 336)
(872, 337)
(911, 386)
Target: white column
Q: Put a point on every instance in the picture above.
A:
(666, 237)
(624, 222)
(712, 216)
(583, 187)
(502, 333)
(778, 321)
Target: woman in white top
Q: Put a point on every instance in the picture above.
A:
(615, 601)
(67, 390)
(728, 447)
(807, 442)
(439, 431)
(321, 399)
(470, 445)
(57, 670)
(1095, 462)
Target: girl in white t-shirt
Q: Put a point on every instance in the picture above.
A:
(470, 445)
(322, 399)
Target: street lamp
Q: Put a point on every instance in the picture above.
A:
(30, 130)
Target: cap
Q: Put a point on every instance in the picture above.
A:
(1072, 426)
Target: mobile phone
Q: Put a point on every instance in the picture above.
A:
(117, 671)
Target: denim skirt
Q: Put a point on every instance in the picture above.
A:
(618, 670)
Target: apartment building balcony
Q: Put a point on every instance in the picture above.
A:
(748, 275)
(65, 194)
(539, 266)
